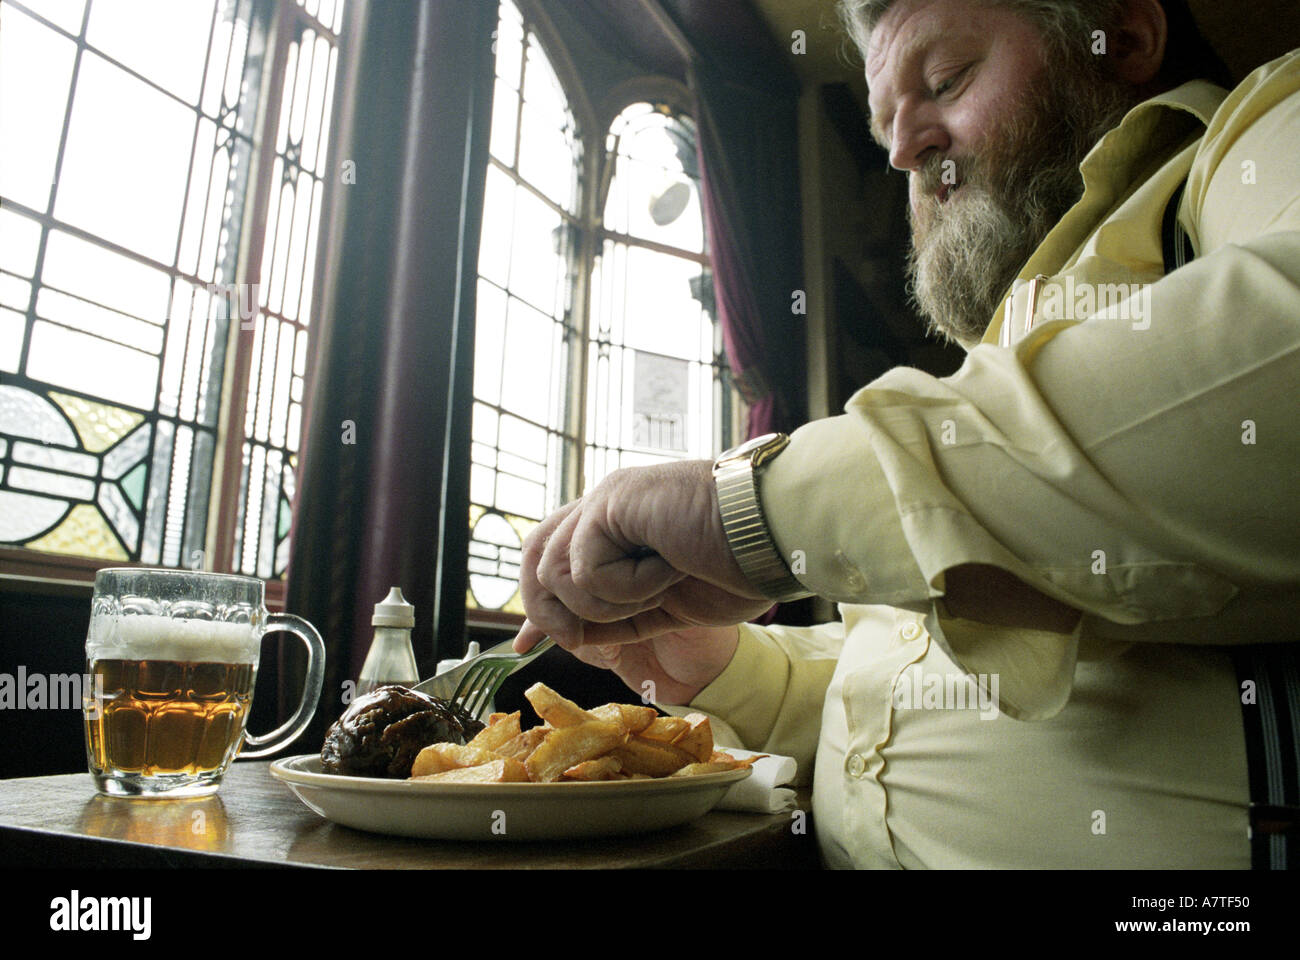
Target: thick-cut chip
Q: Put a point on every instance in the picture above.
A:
(497, 771)
(565, 747)
(698, 738)
(555, 709)
(665, 729)
(494, 735)
(438, 757)
(521, 746)
(652, 757)
(631, 716)
(601, 768)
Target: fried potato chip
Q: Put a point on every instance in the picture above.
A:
(697, 740)
(555, 709)
(601, 768)
(565, 747)
(665, 729)
(525, 743)
(496, 771)
(634, 718)
(651, 757)
(494, 735)
(438, 757)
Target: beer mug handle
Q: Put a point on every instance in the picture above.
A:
(292, 728)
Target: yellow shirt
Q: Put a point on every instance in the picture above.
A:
(1138, 466)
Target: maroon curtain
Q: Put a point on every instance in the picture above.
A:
(392, 348)
(749, 185)
(750, 192)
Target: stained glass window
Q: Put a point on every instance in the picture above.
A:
(122, 234)
(582, 367)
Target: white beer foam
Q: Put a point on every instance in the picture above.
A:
(148, 637)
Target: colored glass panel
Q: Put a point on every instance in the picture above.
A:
(84, 533)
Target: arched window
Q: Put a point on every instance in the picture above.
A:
(595, 342)
(657, 385)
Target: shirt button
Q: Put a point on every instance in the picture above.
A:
(910, 630)
(856, 766)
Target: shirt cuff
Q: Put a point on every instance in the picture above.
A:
(748, 692)
(826, 489)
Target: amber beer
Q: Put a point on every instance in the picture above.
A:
(160, 717)
(173, 658)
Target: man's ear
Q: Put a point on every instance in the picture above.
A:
(1139, 49)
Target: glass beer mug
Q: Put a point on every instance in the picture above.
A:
(172, 658)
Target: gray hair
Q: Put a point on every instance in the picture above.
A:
(1067, 25)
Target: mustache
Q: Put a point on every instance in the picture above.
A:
(938, 170)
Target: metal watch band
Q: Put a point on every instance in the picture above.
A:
(746, 530)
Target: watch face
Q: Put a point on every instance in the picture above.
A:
(776, 441)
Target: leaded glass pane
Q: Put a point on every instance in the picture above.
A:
(495, 553)
(35, 71)
(83, 533)
(19, 239)
(15, 292)
(13, 329)
(121, 360)
(93, 272)
(79, 361)
(654, 194)
(129, 135)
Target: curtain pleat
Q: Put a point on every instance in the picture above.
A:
(750, 189)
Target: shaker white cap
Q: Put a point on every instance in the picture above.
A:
(393, 611)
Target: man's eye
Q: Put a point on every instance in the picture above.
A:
(948, 84)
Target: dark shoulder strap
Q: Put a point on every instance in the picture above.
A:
(1177, 244)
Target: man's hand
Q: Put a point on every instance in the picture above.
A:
(642, 555)
(671, 668)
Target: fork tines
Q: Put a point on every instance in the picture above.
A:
(478, 685)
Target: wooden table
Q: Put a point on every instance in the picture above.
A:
(255, 821)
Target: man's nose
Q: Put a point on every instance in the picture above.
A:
(917, 130)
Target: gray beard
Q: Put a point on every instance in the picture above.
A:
(967, 253)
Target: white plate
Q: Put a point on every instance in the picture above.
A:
(497, 811)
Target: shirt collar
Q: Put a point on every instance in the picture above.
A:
(1151, 129)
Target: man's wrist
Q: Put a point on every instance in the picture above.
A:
(736, 479)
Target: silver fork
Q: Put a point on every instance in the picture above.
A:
(475, 682)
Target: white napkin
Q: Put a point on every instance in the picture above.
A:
(761, 791)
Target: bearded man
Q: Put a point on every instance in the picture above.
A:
(1040, 559)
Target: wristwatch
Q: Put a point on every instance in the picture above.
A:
(735, 474)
